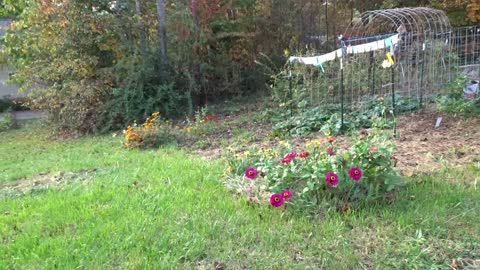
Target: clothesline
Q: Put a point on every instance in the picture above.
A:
(362, 48)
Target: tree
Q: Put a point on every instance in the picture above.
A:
(162, 28)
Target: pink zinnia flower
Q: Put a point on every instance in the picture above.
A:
(355, 173)
(286, 160)
(291, 155)
(251, 173)
(331, 179)
(304, 154)
(287, 194)
(330, 151)
(276, 200)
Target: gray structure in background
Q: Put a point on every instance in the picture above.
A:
(6, 89)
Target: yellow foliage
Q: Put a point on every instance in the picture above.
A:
(473, 10)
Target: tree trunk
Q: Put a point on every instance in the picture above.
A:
(162, 28)
(140, 27)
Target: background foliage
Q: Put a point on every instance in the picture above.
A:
(95, 65)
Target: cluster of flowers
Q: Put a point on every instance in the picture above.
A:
(276, 200)
(135, 134)
(201, 116)
(331, 178)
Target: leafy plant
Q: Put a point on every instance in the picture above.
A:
(202, 122)
(7, 122)
(153, 132)
(453, 100)
(322, 174)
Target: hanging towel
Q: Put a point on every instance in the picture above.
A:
(359, 48)
(388, 42)
(339, 53)
(330, 56)
(349, 49)
(380, 44)
(395, 39)
(373, 46)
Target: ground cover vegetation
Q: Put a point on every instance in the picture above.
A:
(282, 185)
(97, 65)
(97, 204)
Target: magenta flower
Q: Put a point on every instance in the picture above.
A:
(276, 200)
(287, 194)
(330, 151)
(331, 179)
(286, 159)
(251, 173)
(355, 173)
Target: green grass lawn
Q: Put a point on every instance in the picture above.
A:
(164, 209)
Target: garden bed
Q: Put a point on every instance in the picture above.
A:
(421, 148)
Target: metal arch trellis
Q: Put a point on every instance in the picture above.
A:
(429, 52)
(420, 56)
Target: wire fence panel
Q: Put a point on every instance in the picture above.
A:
(429, 54)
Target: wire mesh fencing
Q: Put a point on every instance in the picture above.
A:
(429, 54)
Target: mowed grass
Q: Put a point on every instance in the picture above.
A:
(164, 209)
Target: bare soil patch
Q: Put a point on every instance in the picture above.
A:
(43, 181)
(421, 148)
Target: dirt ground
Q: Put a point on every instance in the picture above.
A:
(421, 147)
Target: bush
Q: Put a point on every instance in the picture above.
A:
(152, 133)
(321, 175)
(453, 100)
(202, 122)
(7, 122)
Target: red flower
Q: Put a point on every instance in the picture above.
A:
(276, 200)
(289, 157)
(251, 173)
(331, 179)
(287, 194)
(330, 151)
(330, 139)
(355, 173)
(304, 154)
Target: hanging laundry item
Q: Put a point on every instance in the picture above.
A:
(330, 56)
(339, 53)
(395, 39)
(349, 49)
(373, 46)
(304, 60)
(320, 66)
(380, 44)
(388, 42)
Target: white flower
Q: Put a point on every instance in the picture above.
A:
(386, 64)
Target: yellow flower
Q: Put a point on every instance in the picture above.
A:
(313, 142)
(281, 142)
(246, 153)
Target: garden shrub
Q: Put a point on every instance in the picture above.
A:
(320, 174)
(453, 100)
(152, 133)
(202, 122)
(7, 122)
